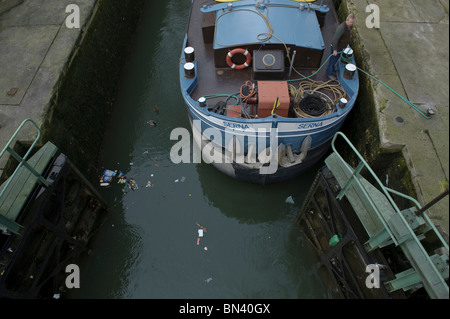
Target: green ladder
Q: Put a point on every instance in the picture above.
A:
(16, 190)
(386, 224)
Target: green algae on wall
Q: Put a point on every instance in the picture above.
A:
(80, 108)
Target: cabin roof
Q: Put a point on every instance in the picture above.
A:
(246, 25)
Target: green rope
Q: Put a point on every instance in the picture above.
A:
(309, 76)
(415, 107)
(228, 96)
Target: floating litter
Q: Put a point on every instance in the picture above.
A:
(206, 248)
(200, 226)
(132, 184)
(122, 179)
(198, 241)
(107, 177)
(290, 200)
(200, 233)
(208, 279)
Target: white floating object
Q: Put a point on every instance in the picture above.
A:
(200, 232)
(290, 200)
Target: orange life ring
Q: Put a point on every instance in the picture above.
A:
(239, 66)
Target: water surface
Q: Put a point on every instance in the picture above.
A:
(148, 246)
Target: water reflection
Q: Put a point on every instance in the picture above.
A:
(252, 203)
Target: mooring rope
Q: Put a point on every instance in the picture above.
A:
(336, 90)
(415, 107)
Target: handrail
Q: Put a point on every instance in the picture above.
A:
(425, 215)
(386, 191)
(22, 160)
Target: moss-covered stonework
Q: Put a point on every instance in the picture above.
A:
(80, 108)
(362, 128)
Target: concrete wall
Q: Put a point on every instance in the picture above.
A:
(363, 129)
(413, 152)
(80, 107)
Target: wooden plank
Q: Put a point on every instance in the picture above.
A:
(20, 177)
(24, 182)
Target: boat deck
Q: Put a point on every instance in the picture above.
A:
(230, 80)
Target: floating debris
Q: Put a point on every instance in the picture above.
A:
(156, 109)
(151, 123)
(149, 184)
(132, 184)
(107, 177)
(208, 280)
(200, 232)
(201, 227)
(290, 200)
(122, 179)
(182, 179)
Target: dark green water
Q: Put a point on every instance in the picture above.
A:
(148, 246)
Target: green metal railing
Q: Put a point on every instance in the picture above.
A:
(22, 160)
(386, 190)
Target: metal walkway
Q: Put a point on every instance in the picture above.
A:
(386, 225)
